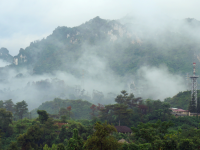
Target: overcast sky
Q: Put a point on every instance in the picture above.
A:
(24, 21)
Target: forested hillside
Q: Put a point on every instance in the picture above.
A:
(79, 109)
(78, 124)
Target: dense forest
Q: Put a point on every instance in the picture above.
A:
(80, 125)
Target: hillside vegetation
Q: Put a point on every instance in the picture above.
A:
(79, 109)
(181, 100)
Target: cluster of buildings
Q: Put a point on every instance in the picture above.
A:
(181, 113)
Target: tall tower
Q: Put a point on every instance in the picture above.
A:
(187, 81)
(194, 84)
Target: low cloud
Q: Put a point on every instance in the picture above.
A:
(159, 83)
(3, 63)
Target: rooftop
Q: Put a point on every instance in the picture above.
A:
(123, 129)
(178, 110)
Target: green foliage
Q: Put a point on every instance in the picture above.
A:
(186, 144)
(63, 134)
(43, 116)
(121, 111)
(64, 119)
(6, 119)
(60, 146)
(170, 144)
(80, 109)
(13, 146)
(46, 147)
(21, 108)
(149, 132)
(159, 129)
(127, 99)
(63, 111)
(9, 105)
(38, 135)
(101, 138)
(120, 136)
(181, 100)
(84, 131)
(76, 142)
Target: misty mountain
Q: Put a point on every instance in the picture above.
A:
(99, 58)
(122, 45)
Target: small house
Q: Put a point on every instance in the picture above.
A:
(123, 129)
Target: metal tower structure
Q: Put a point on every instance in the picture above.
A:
(187, 82)
(194, 84)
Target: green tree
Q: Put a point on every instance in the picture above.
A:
(46, 147)
(102, 138)
(63, 111)
(106, 113)
(43, 116)
(49, 135)
(122, 98)
(170, 144)
(166, 110)
(75, 143)
(13, 146)
(6, 119)
(21, 109)
(32, 138)
(9, 105)
(126, 99)
(60, 146)
(63, 134)
(121, 111)
(64, 118)
(186, 144)
(149, 132)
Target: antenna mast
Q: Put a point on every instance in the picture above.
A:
(194, 84)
